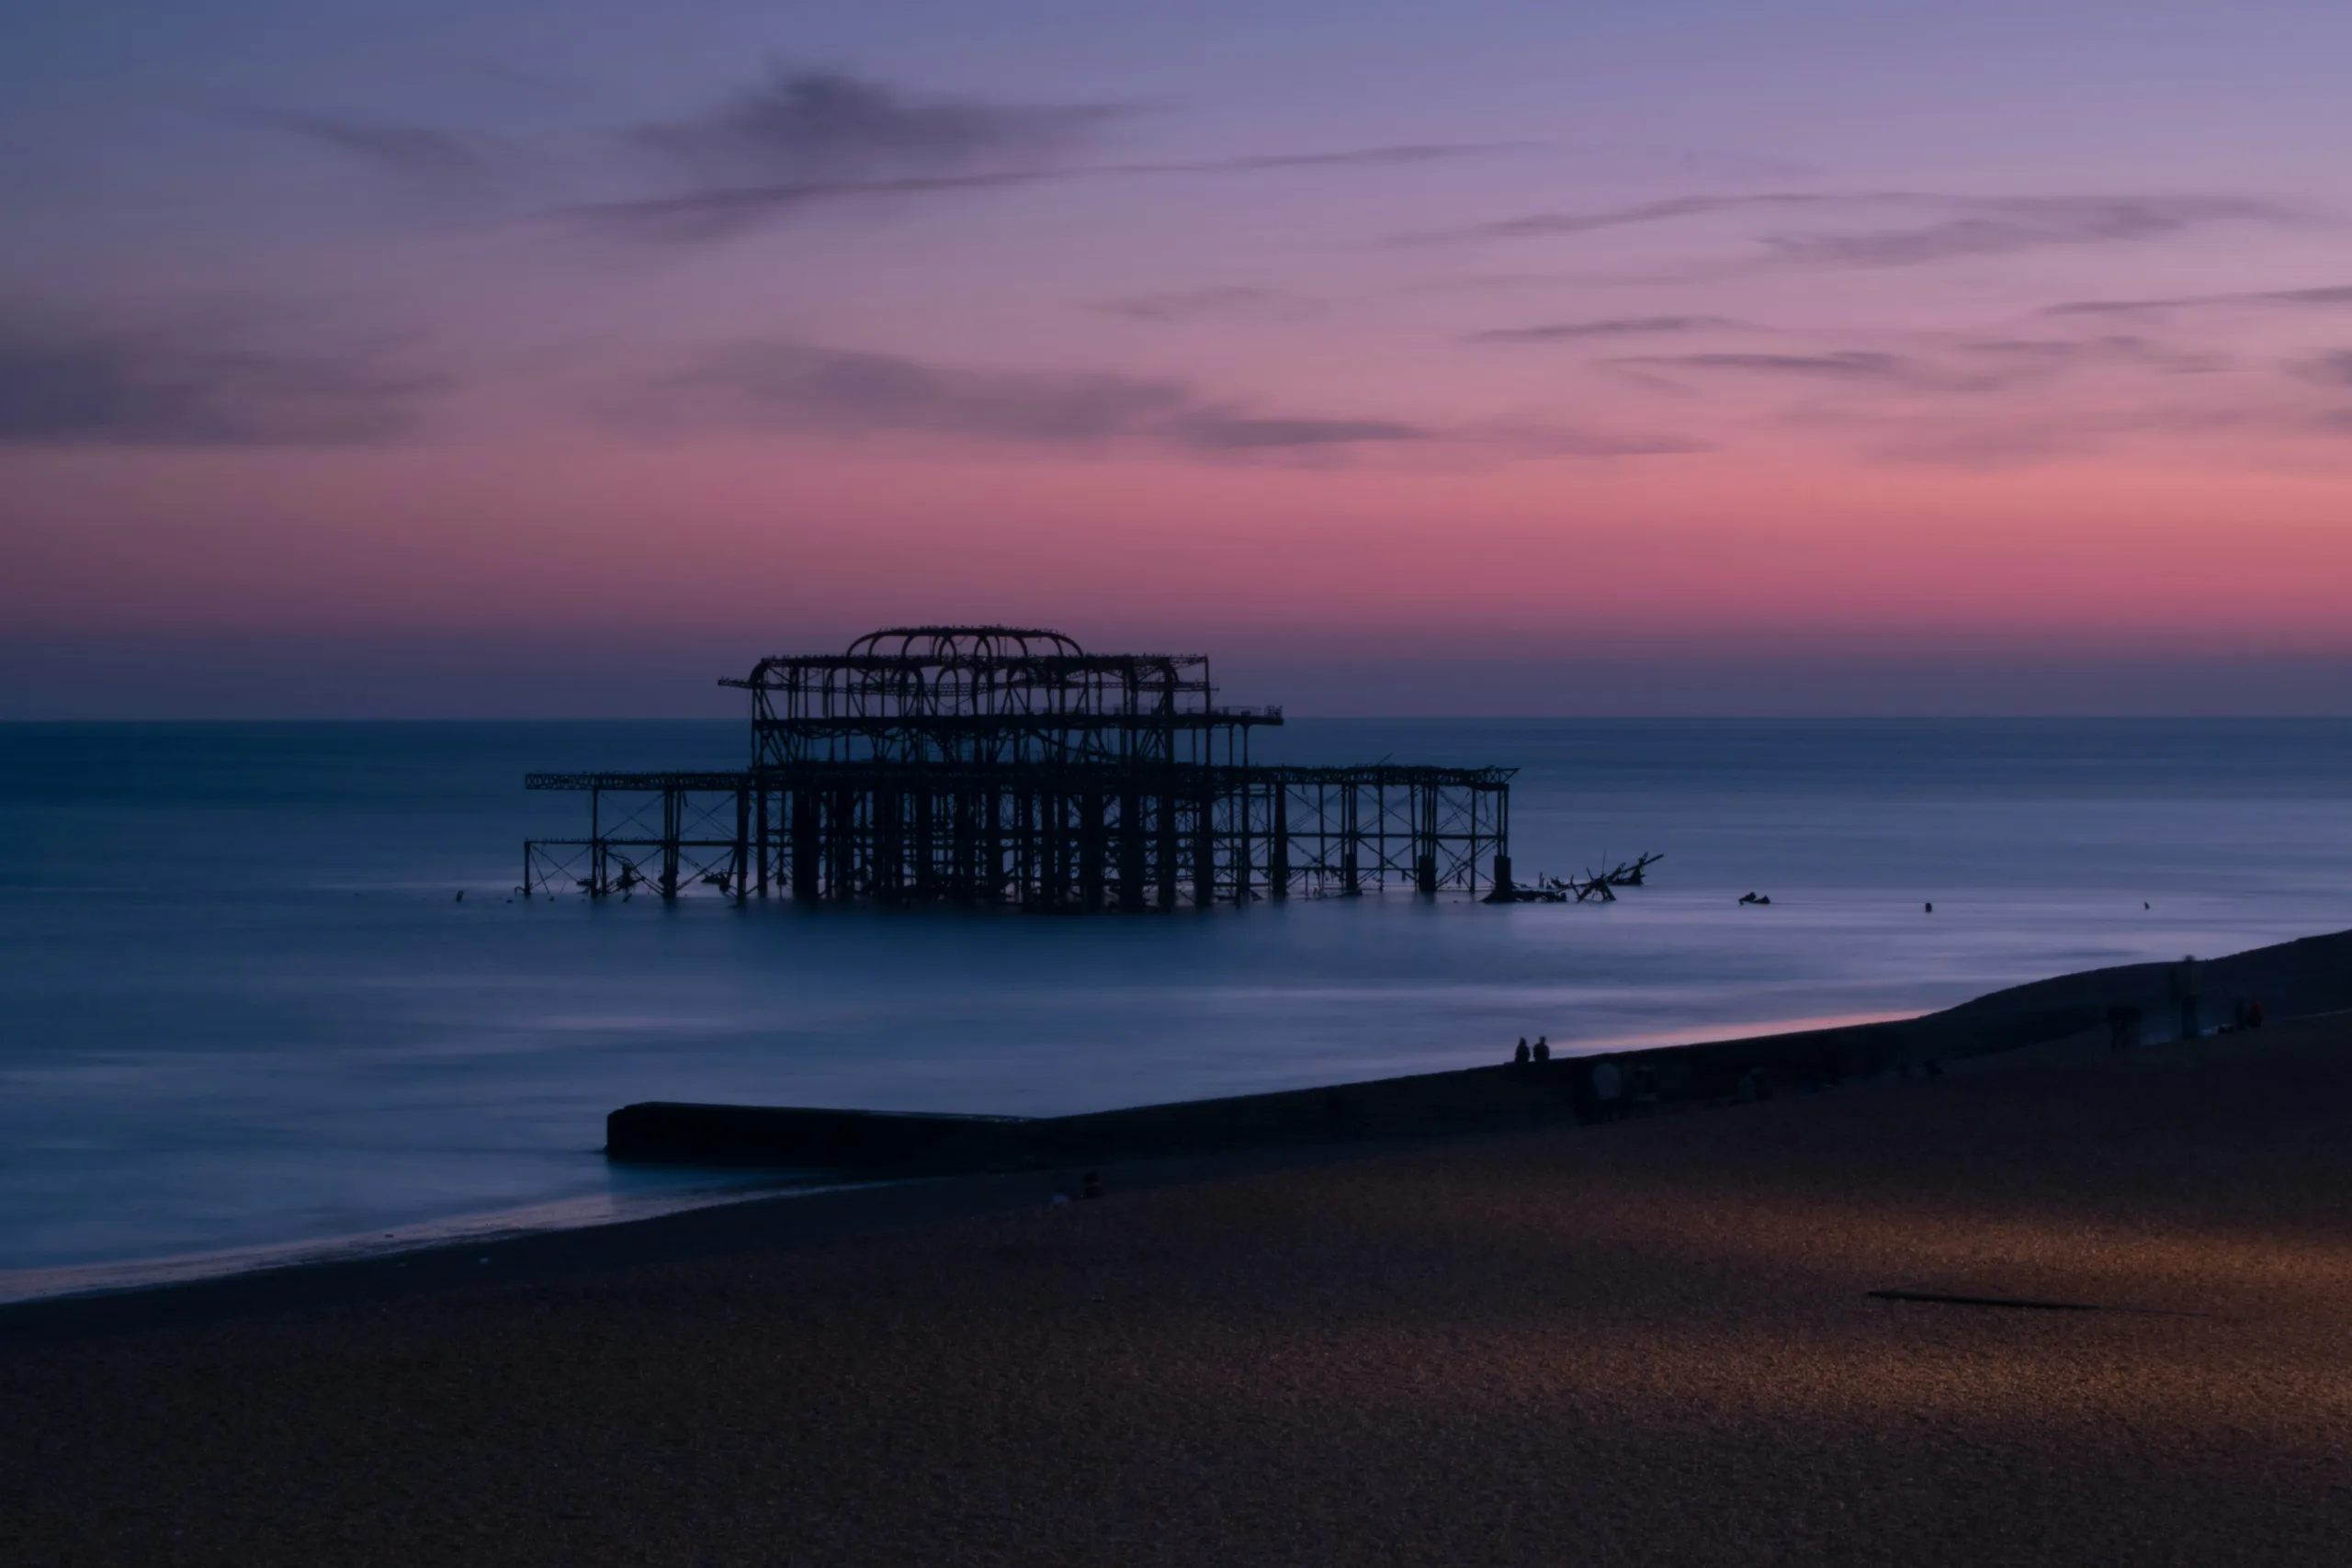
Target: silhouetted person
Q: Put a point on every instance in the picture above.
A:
(1093, 1188)
(1607, 1089)
(1542, 1049)
(1519, 1057)
(2182, 984)
(2254, 1013)
(1931, 906)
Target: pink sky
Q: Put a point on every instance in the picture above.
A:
(1688, 371)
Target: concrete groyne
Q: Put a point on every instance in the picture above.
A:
(2313, 975)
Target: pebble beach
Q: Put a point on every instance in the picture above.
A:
(1652, 1341)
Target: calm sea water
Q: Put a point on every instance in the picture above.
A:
(241, 1008)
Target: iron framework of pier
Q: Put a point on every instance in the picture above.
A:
(1001, 765)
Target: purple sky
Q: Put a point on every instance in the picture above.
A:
(1806, 357)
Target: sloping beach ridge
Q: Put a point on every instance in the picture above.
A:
(1756, 1332)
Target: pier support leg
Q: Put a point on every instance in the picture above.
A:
(1131, 849)
(672, 810)
(926, 882)
(742, 844)
(1349, 840)
(1168, 840)
(804, 846)
(1242, 855)
(1091, 850)
(1204, 853)
(1278, 850)
(1425, 841)
(596, 884)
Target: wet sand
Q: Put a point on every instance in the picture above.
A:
(1645, 1342)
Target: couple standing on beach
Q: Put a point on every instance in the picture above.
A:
(1603, 1099)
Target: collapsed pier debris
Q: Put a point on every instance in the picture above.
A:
(1600, 886)
(1008, 766)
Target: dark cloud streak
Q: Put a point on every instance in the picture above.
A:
(2018, 224)
(823, 127)
(1622, 327)
(2331, 297)
(86, 388)
(800, 386)
(1544, 225)
(1228, 302)
(1844, 366)
(726, 212)
(440, 163)
(806, 387)
(2333, 368)
(1973, 227)
(1403, 156)
(805, 140)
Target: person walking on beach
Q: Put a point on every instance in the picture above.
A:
(1542, 1049)
(1519, 1057)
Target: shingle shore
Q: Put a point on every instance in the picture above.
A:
(1642, 1342)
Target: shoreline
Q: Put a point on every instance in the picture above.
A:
(2308, 977)
(64, 1281)
(1795, 1330)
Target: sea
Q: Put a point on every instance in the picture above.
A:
(246, 1016)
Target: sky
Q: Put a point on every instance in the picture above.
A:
(1817, 356)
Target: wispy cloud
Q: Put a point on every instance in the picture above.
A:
(1404, 155)
(1225, 302)
(804, 139)
(1968, 226)
(2330, 369)
(811, 139)
(1544, 225)
(826, 127)
(1841, 365)
(725, 213)
(1223, 430)
(2004, 440)
(1934, 365)
(1977, 400)
(1616, 327)
(2012, 225)
(1552, 439)
(87, 387)
(807, 388)
(2331, 297)
(2118, 350)
(436, 162)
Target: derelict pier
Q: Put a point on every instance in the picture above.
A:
(1002, 765)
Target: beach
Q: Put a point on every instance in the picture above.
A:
(1651, 1340)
